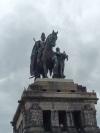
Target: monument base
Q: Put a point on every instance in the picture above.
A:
(56, 106)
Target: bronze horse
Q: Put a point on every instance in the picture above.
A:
(45, 63)
(48, 53)
(42, 61)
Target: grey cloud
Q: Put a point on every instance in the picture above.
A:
(18, 34)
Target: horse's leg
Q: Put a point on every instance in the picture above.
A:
(43, 75)
(45, 70)
(62, 70)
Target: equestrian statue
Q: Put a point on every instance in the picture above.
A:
(44, 59)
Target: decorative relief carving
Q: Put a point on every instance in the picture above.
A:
(36, 114)
(28, 105)
(33, 114)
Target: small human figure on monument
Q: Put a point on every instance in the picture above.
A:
(40, 50)
(59, 64)
(56, 63)
(36, 53)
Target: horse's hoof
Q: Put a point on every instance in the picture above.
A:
(46, 77)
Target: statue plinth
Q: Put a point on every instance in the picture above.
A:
(56, 84)
(56, 105)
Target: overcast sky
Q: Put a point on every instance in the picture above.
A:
(78, 24)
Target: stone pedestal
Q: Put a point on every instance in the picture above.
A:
(56, 106)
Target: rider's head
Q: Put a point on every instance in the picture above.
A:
(57, 49)
(43, 36)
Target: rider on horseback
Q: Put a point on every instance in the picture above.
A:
(40, 50)
(36, 53)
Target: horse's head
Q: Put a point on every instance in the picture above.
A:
(51, 39)
(54, 36)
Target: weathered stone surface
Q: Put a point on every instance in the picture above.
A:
(56, 84)
(56, 97)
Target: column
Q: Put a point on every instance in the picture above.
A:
(70, 122)
(54, 119)
(71, 117)
(86, 117)
(82, 118)
(94, 118)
